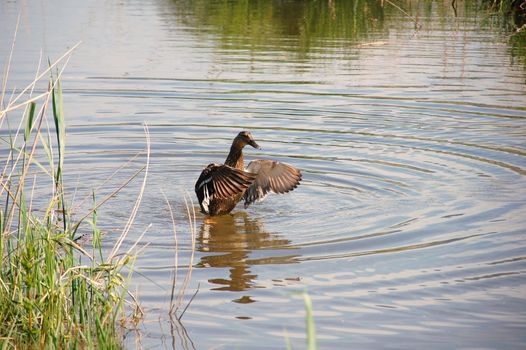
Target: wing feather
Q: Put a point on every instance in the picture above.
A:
(271, 176)
(221, 181)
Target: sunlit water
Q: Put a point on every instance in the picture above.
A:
(408, 229)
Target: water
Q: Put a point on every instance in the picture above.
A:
(408, 228)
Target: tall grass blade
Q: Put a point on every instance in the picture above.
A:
(30, 119)
(311, 329)
(60, 129)
(58, 118)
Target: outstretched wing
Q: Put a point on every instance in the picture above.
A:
(221, 181)
(272, 176)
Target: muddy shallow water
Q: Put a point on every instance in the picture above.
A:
(408, 229)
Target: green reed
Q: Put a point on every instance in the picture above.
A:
(511, 14)
(54, 292)
(312, 342)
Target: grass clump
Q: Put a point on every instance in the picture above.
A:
(54, 292)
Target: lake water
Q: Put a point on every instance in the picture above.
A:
(408, 229)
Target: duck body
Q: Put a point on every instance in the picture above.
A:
(221, 186)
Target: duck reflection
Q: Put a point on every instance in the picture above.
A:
(232, 241)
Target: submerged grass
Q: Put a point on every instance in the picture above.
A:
(54, 292)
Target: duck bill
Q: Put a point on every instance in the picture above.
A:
(254, 144)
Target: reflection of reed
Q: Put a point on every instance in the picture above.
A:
(235, 237)
(258, 24)
(178, 331)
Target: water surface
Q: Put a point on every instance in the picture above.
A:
(408, 228)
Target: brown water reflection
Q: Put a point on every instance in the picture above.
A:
(232, 241)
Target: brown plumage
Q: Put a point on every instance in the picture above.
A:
(271, 176)
(220, 187)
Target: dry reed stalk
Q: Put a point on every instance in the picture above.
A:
(176, 255)
(135, 209)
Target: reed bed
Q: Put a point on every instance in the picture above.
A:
(54, 291)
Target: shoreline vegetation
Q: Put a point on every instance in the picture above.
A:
(54, 291)
(59, 288)
(511, 12)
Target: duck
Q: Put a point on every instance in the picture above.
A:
(220, 187)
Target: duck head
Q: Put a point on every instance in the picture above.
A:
(235, 156)
(245, 138)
